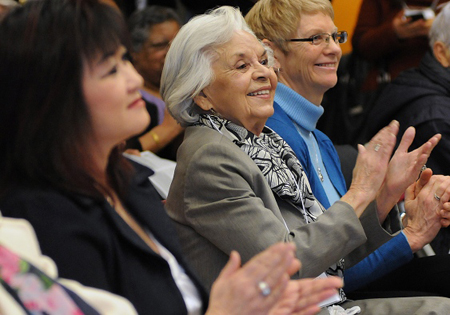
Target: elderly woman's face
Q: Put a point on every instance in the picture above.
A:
(309, 69)
(244, 85)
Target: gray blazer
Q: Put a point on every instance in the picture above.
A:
(220, 201)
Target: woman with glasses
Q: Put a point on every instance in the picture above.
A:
(239, 185)
(307, 54)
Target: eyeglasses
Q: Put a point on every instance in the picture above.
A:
(338, 37)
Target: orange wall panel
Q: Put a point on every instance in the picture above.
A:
(345, 16)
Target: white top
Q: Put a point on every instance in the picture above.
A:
(187, 288)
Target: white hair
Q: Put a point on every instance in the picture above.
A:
(188, 64)
(440, 30)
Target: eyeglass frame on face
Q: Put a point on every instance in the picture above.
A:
(338, 37)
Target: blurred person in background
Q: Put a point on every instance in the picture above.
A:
(420, 97)
(152, 29)
(390, 38)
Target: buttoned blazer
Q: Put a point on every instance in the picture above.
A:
(220, 201)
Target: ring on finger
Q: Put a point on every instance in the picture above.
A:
(377, 147)
(437, 197)
(264, 288)
(424, 167)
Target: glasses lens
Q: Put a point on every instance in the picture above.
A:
(340, 37)
(319, 39)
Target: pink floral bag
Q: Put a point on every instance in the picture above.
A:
(36, 292)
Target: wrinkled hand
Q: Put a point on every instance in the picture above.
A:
(302, 297)
(370, 169)
(424, 178)
(403, 170)
(236, 292)
(425, 215)
(404, 28)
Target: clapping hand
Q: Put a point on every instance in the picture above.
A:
(403, 170)
(263, 286)
(427, 208)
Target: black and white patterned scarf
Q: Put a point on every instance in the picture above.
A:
(280, 167)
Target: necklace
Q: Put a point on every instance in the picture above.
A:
(319, 171)
(320, 174)
(313, 141)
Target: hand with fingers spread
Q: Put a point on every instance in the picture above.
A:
(426, 205)
(403, 170)
(370, 169)
(262, 286)
(257, 286)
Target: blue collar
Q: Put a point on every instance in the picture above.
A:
(299, 109)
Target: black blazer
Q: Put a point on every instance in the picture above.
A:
(90, 242)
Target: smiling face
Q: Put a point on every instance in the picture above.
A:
(111, 91)
(244, 84)
(308, 69)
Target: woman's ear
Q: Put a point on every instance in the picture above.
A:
(275, 50)
(442, 53)
(202, 101)
(268, 43)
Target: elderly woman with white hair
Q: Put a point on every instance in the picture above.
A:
(238, 185)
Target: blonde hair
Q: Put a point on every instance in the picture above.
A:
(277, 20)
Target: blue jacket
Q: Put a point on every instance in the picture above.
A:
(282, 124)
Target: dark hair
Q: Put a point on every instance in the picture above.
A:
(44, 119)
(141, 21)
